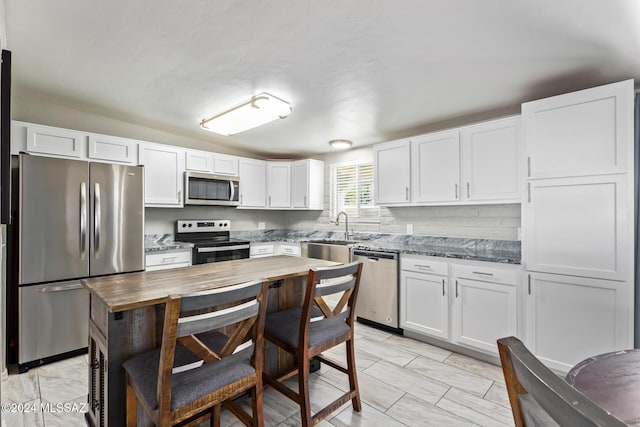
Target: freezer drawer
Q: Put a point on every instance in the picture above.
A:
(54, 319)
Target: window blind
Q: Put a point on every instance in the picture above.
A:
(352, 191)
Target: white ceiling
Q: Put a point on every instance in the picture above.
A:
(365, 70)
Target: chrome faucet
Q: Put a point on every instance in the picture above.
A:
(346, 223)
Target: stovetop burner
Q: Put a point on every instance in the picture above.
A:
(206, 232)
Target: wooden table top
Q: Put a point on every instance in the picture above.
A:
(611, 380)
(127, 291)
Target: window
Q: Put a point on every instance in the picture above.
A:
(352, 191)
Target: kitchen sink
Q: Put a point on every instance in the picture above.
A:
(331, 250)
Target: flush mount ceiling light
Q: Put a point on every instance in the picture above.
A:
(340, 144)
(260, 109)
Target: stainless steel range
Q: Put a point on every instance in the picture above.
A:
(211, 239)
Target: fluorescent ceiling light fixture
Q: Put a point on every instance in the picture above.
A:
(260, 109)
(340, 143)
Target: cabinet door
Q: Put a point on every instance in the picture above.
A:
(392, 172)
(300, 184)
(580, 133)
(490, 161)
(436, 167)
(482, 313)
(225, 165)
(572, 318)
(56, 141)
(278, 184)
(199, 161)
(577, 226)
(291, 249)
(424, 306)
(163, 175)
(111, 148)
(252, 183)
(261, 250)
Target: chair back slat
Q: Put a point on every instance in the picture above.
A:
(324, 273)
(217, 319)
(219, 296)
(331, 288)
(533, 389)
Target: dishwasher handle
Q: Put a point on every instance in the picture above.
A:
(374, 256)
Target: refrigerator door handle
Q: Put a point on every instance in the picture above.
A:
(96, 219)
(83, 219)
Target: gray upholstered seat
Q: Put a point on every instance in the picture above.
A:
(285, 325)
(188, 386)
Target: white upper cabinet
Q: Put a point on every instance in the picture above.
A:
(578, 226)
(491, 160)
(307, 184)
(435, 162)
(253, 187)
(225, 165)
(199, 161)
(278, 184)
(112, 149)
(479, 163)
(392, 169)
(55, 141)
(163, 174)
(580, 133)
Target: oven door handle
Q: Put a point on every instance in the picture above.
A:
(222, 248)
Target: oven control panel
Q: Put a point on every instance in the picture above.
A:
(202, 225)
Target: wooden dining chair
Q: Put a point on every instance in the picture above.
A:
(211, 351)
(307, 331)
(538, 397)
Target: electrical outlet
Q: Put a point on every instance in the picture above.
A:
(409, 228)
(261, 225)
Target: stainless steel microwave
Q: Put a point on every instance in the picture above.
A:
(208, 189)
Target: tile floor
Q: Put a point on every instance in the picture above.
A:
(403, 382)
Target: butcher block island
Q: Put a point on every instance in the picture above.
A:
(127, 310)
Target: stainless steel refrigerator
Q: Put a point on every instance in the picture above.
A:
(76, 219)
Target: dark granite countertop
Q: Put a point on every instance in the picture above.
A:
(503, 251)
(163, 242)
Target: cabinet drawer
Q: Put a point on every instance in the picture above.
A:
(423, 265)
(167, 258)
(486, 274)
(293, 250)
(261, 250)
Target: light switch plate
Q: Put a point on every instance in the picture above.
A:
(261, 225)
(409, 228)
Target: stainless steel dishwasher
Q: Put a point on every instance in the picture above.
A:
(378, 295)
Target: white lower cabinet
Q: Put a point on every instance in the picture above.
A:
(469, 303)
(266, 249)
(572, 318)
(483, 312)
(165, 260)
(424, 307)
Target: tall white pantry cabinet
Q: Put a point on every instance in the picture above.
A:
(578, 224)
